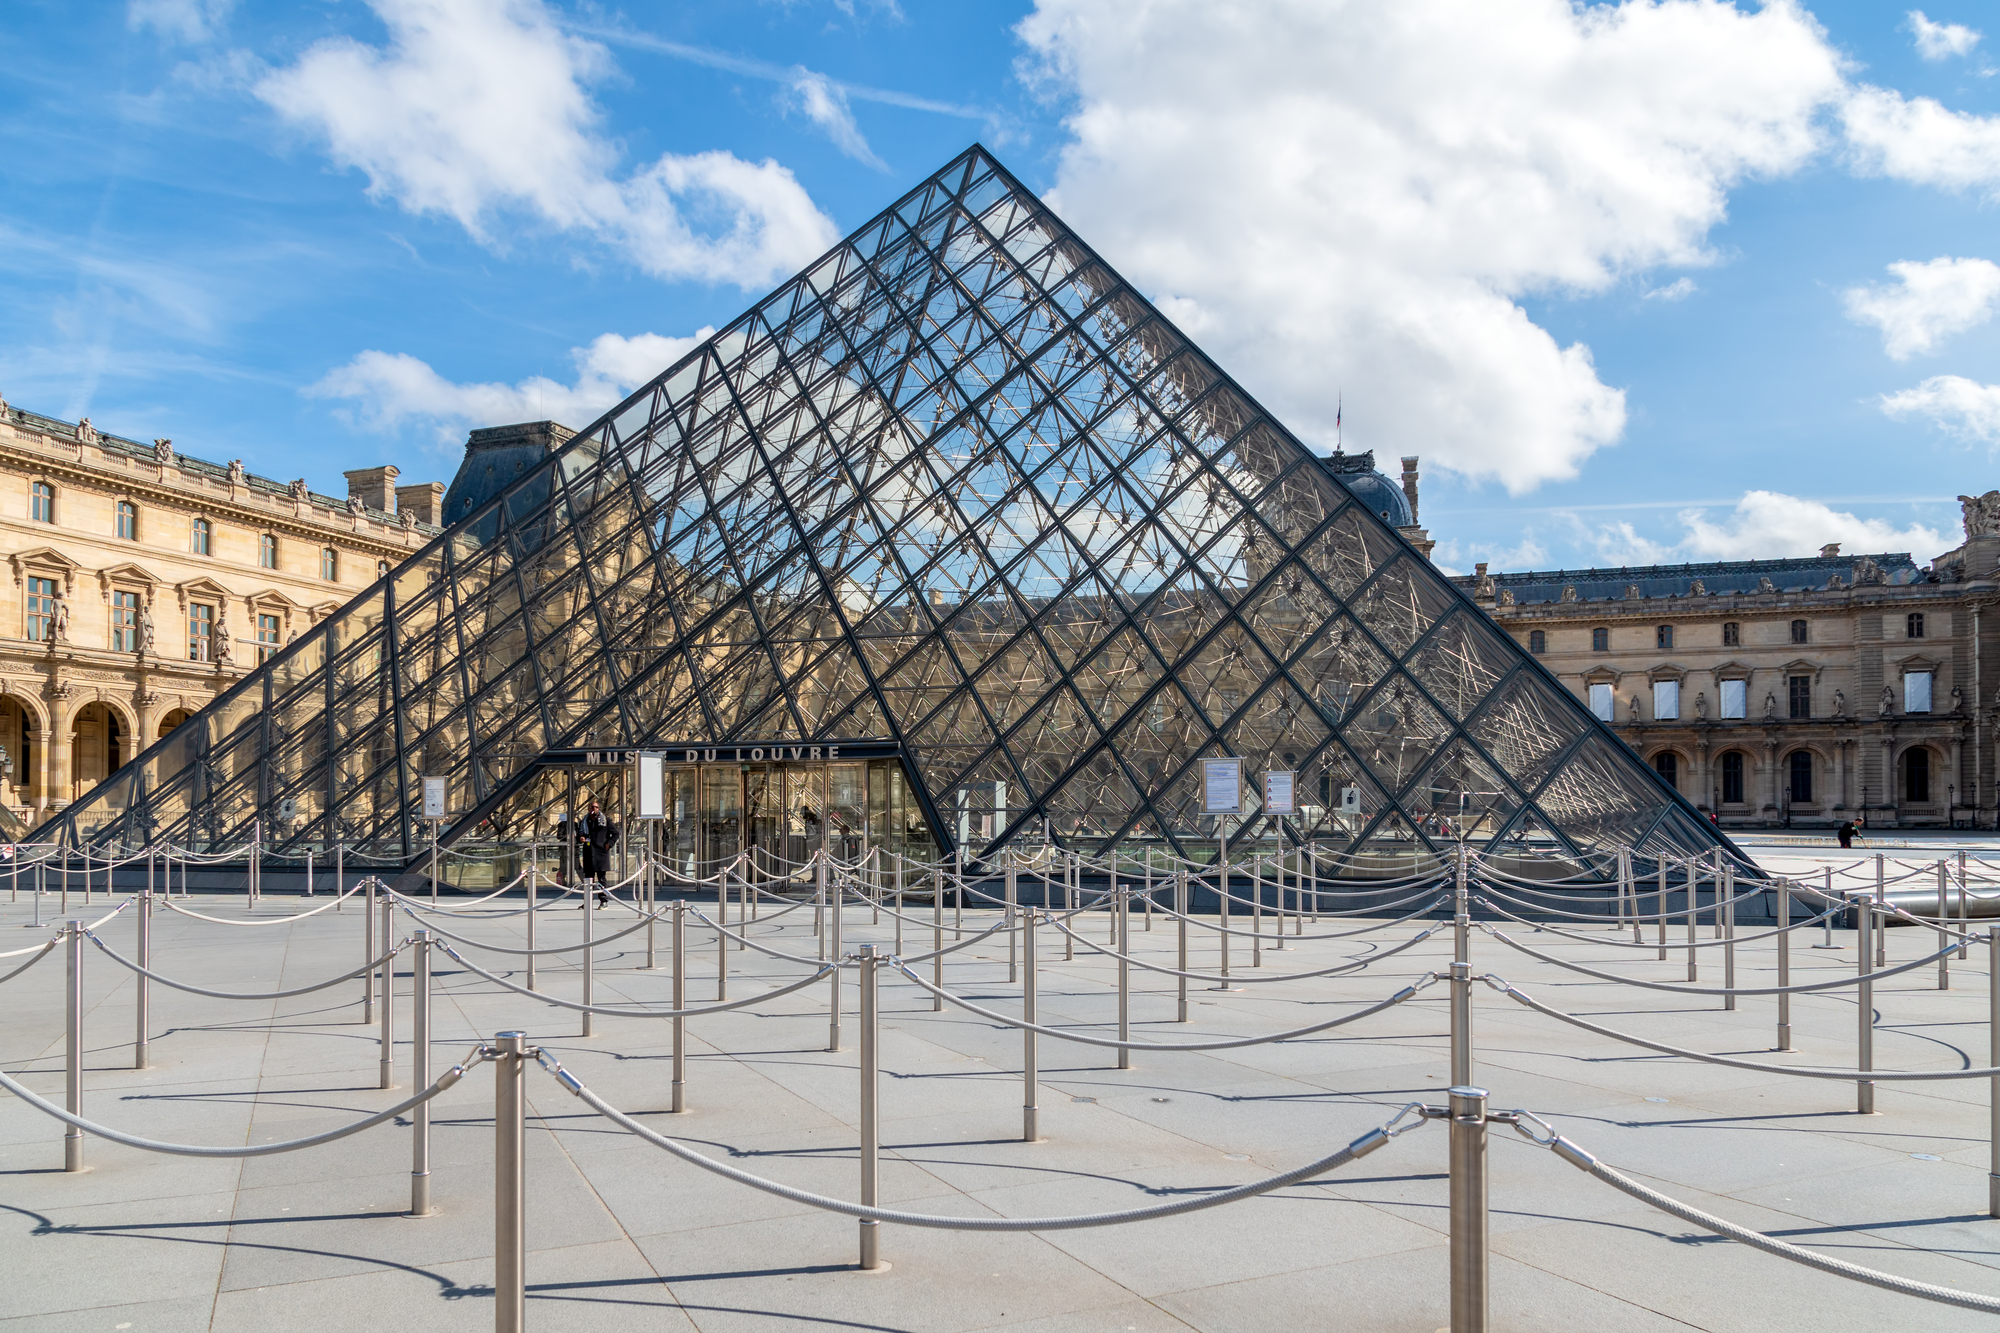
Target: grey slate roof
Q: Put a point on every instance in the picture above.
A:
(1805, 574)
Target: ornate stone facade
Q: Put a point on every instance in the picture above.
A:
(140, 583)
(1800, 692)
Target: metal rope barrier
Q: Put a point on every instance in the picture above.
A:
(151, 975)
(608, 1011)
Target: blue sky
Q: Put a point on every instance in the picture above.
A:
(1621, 275)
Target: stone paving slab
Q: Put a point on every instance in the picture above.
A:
(623, 1235)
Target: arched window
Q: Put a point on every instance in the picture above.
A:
(1917, 775)
(1732, 634)
(1600, 641)
(1538, 642)
(1798, 631)
(1663, 636)
(203, 539)
(42, 502)
(128, 521)
(1732, 778)
(1668, 765)
(267, 551)
(1801, 775)
(329, 565)
(1916, 625)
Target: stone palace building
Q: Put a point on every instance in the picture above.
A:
(143, 582)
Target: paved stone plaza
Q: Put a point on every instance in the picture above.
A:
(624, 1236)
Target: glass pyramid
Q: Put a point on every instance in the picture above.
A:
(959, 509)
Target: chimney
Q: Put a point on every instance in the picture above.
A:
(423, 502)
(373, 486)
(1829, 551)
(1410, 487)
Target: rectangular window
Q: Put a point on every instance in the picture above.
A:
(329, 564)
(41, 609)
(1601, 702)
(1916, 691)
(1915, 625)
(201, 633)
(267, 551)
(1798, 691)
(201, 538)
(42, 502)
(1666, 701)
(1732, 634)
(1735, 693)
(1600, 641)
(125, 622)
(128, 521)
(1663, 637)
(267, 637)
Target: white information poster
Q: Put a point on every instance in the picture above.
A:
(1222, 786)
(1278, 789)
(652, 786)
(434, 798)
(1350, 800)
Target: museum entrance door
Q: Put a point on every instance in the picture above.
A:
(781, 813)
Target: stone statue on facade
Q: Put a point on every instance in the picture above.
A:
(145, 629)
(406, 517)
(1633, 704)
(235, 472)
(1764, 585)
(1888, 703)
(1697, 589)
(163, 452)
(1569, 592)
(1506, 597)
(1631, 592)
(298, 489)
(225, 650)
(1839, 704)
(85, 432)
(355, 506)
(1981, 514)
(1483, 588)
(1957, 700)
(1770, 706)
(1835, 583)
(1866, 571)
(1701, 706)
(60, 628)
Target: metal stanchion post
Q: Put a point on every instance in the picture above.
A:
(1222, 904)
(1728, 915)
(589, 933)
(1468, 1210)
(1993, 1062)
(1663, 907)
(1181, 924)
(819, 902)
(387, 1013)
(1461, 974)
(1826, 921)
(367, 951)
(1865, 925)
(958, 893)
(1013, 936)
(1964, 917)
(677, 943)
(531, 920)
(1784, 964)
(142, 1007)
(1943, 936)
(871, 1124)
(652, 914)
(510, 1233)
(937, 942)
(73, 1043)
(899, 903)
(1256, 910)
(722, 956)
(1691, 878)
(1881, 935)
(1124, 909)
(833, 977)
(1031, 1129)
(420, 1075)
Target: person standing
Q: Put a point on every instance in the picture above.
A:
(595, 836)
(1845, 833)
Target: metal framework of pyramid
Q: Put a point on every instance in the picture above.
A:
(958, 492)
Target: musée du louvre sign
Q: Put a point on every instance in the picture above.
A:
(784, 752)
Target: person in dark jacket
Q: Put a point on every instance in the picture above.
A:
(1845, 833)
(594, 835)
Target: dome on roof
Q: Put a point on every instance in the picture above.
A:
(1385, 497)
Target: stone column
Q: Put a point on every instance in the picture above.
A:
(1839, 792)
(1955, 776)
(1770, 801)
(59, 763)
(41, 776)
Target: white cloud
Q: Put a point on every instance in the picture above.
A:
(825, 105)
(388, 389)
(1928, 303)
(475, 110)
(1677, 290)
(1763, 525)
(1962, 407)
(186, 20)
(1921, 141)
(1940, 41)
(1363, 201)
